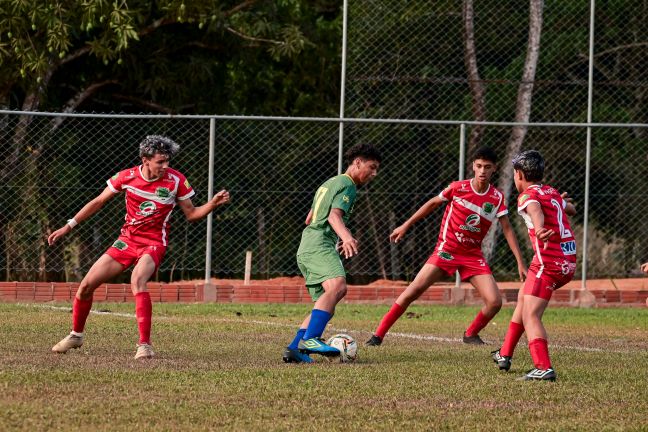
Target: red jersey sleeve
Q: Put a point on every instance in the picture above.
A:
(115, 182)
(185, 191)
(447, 193)
(526, 198)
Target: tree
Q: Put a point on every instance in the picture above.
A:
(522, 112)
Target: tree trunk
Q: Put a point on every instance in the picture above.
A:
(477, 91)
(522, 114)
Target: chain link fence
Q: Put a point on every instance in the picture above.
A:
(272, 168)
(458, 61)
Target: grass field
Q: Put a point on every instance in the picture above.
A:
(220, 368)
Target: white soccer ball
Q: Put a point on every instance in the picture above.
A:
(346, 344)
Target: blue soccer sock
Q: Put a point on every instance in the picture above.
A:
(317, 324)
(299, 336)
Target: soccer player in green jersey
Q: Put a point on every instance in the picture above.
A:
(324, 239)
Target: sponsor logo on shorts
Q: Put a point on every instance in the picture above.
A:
(568, 248)
(120, 244)
(471, 223)
(162, 192)
(445, 256)
(488, 207)
(147, 208)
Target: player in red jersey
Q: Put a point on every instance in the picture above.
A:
(474, 205)
(545, 212)
(152, 190)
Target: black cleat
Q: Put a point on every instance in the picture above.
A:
(294, 356)
(539, 375)
(472, 340)
(374, 341)
(503, 362)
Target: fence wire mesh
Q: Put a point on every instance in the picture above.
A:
(272, 168)
(460, 61)
(464, 60)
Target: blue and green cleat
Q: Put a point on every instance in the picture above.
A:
(295, 356)
(317, 346)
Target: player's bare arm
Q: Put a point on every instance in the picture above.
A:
(421, 213)
(511, 239)
(537, 218)
(349, 244)
(570, 208)
(86, 211)
(197, 213)
(309, 217)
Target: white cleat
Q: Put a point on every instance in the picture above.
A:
(144, 351)
(67, 343)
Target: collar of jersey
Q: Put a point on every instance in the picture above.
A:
(350, 178)
(144, 178)
(473, 188)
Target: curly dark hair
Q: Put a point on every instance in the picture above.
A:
(364, 151)
(153, 144)
(531, 163)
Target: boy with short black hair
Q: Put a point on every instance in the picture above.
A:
(545, 212)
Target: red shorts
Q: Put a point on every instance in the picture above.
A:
(467, 265)
(550, 279)
(127, 252)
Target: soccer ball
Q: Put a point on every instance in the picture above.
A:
(347, 346)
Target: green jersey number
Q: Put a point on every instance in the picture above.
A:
(319, 196)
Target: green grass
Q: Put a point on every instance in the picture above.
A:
(220, 368)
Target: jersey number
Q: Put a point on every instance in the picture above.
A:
(319, 196)
(564, 233)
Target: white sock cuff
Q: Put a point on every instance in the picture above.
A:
(73, 333)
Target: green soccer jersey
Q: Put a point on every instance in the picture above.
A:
(337, 192)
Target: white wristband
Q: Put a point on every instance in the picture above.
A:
(72, 222)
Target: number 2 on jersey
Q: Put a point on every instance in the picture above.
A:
(564, 233)
(319, 196)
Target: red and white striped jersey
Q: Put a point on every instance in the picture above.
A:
(149, 203)
(468, 217)
(561, 250)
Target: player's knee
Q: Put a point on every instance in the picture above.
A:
(85, 290)
(494, 304)
(340, 291)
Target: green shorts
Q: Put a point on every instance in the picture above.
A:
(318, 267)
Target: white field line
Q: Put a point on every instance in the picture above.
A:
(336, 329)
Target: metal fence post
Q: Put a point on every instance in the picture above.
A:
(342, 85)
(586, 298)
(210, 193)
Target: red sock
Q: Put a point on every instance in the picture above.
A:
(513, 335)
(389, 319)
(478, 323)
(143, 312)
(540, 353)
(80, 312)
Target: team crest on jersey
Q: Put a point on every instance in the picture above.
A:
(471, 223)
(524, 198)
(120, 244)
(488, 207)
(162, 192)
(445, 256)
(187, 185)
(147, 208)
(346, 198)
(115, 176)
